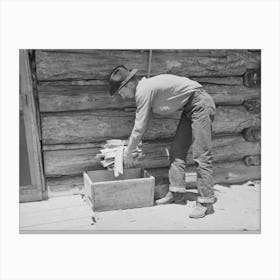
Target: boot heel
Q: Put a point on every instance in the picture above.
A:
(210, 210)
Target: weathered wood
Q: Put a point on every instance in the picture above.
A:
(55, 97)
(252, 78)
(252, 134)
(95, 65)
(97, 126)
(31, 124)
(228, 173)
(224, 173)
(252, 106)
(231, 95)
(228, 80)
(252, 160)
(72, 146)
(35, 220)
(99, 63)
(235, 62)
(119, 194)
(30, 193)
(65, 185)
(69, 162)
(235, 173)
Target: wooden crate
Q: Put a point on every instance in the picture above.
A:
(135, 188)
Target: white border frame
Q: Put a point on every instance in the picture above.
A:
(177, 24)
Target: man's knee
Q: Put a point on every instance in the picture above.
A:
(177, 175)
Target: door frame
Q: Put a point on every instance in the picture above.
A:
(37, 189)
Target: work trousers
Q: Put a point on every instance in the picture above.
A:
(194, 128)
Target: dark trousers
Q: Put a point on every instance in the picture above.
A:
(194, 128)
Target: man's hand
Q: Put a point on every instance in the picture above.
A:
(128, 159)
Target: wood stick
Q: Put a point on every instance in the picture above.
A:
(119, 162)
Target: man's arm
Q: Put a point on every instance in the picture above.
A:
(141, 119)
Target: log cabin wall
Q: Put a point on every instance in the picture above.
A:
(77, 113)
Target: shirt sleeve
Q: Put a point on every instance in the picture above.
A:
(144, 105)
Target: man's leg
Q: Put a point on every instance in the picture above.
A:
(202, 117)
(178, 152)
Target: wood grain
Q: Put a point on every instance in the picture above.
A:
(252, 160)
(234, 62)
(234, 172)
(227, 80)
(70, 162)
(95, 65)
(87, 127)
(120, 194)
(32, 128)
(252, 78)
(252, 134)
(227, 173)
(99, 63)
(65, 96)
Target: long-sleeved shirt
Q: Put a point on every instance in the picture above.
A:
(163, 94)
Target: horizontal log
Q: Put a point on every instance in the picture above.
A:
(55, 97)
(253, 106)
(234, 63)
(252, 160)
(72, 146)
(201, 52)
(229, 80)
(70, 162)
(252, 78)
(252, 134)
(95, 65)
(224, 173)
(64, 185)
(97, 126)
(99, 63)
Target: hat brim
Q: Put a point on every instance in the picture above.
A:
(131, 75)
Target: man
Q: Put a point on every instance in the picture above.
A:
(165, 94)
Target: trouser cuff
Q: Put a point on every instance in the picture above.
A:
(180, 189)
(201, 199)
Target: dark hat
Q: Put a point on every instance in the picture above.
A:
(119, 77)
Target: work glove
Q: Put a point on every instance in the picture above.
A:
(128, 159)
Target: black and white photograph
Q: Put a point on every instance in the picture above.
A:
(135, 140)
(139, 140)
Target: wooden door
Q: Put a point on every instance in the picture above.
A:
(32, 183)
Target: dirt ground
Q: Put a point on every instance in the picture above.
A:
(237, 208)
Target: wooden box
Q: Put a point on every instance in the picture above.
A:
(135, 188)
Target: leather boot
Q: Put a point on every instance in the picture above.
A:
(201, 210)
(171, 197)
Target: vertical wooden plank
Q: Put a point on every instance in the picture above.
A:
(31, 128)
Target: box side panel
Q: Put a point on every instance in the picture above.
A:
(151, 182)
(123, 194)
(108, 175)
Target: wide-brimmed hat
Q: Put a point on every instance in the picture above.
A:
(119, 77)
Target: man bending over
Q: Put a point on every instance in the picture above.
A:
(165, 94)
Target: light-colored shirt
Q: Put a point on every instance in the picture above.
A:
(163, 94)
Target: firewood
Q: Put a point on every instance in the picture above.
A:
(119, 162)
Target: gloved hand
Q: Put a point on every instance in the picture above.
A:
(128, 159)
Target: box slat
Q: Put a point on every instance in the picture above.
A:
(124, 194)
(130, 190)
